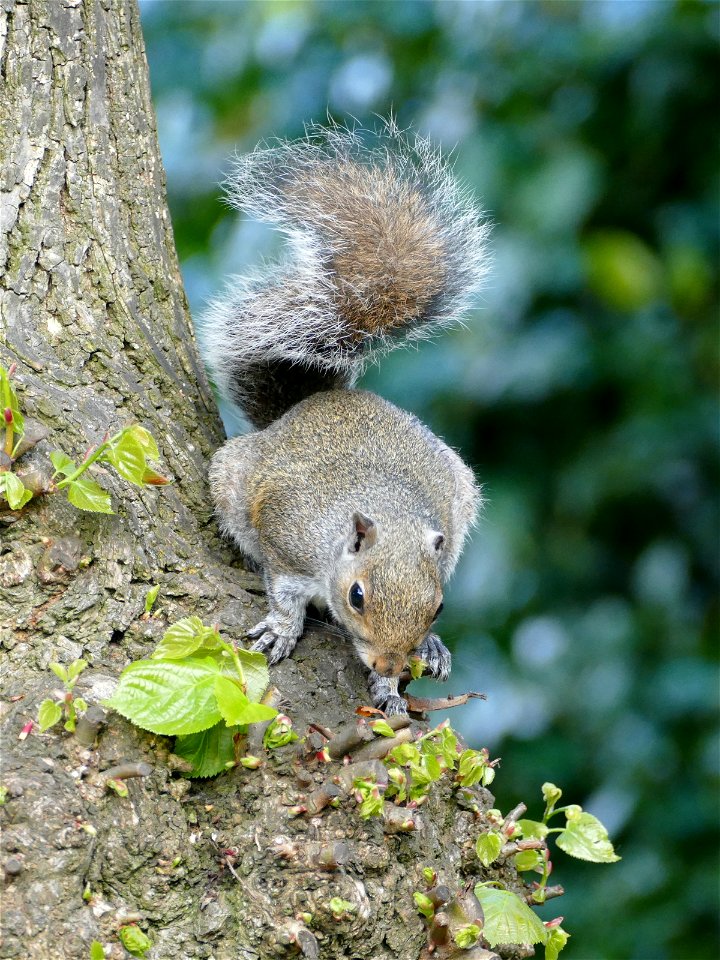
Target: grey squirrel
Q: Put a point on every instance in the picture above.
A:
(345, 500)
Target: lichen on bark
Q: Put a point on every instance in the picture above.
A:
(93, 313)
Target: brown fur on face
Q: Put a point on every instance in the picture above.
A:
(401, 600)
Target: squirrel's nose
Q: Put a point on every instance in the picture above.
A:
(386, 668)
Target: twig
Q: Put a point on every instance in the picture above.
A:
(323, 731)
(510, 848)
(348, 737)
(550, 893)
(124, 771)
(426, 704)
(398, 819)
(362, 770)
(321, 797)
(381, 746)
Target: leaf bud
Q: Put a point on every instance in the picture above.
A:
(252, 763)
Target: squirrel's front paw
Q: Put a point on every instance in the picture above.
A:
(436, 655)
(395, 706)
(384, 694)
(270, 641)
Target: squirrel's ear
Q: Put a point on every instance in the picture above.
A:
(436, 540)
(363, 533)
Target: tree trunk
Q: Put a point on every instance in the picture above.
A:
(93, 314)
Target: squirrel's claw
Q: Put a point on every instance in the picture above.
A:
(384, 694)
(436, 655)
(257, 631)
(395, 706)
(276, 646)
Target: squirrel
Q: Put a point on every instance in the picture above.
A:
(344, 500)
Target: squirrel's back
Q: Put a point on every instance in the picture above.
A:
(384, 246)
(337, 452)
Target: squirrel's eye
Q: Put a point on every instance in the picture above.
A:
(438, 611)
(356, 597)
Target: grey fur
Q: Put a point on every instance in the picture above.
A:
(341, 491)
(287, 495)
(436, 655)
(384, 246)
(384, 694)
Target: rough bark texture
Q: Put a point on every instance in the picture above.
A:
(93, 313)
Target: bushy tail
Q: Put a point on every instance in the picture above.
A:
(384, 246)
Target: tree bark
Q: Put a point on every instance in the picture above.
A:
(93, 314)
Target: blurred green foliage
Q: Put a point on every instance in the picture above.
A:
(583, 390)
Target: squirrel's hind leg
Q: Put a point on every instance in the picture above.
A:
(277, 634)
(231, 470)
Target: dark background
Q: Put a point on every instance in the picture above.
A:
(583, 389)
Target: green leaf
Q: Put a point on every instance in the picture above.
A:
(533, 829)
(338, 906)
(181, 639)
(586, 838)
(467, 935)
(421, 776)
(488, 847)
(151, 596)
(16, 493)
(62, 463)
(146, 441)
(251, 762)
(471, 767)
(8, 398)
(119, 787)
(48, 714)
(59, 671)
(417, 667)
(257, 675)
(76, 668)
(209, 751)
(279, 733)
(134, 940)
(529, 860)
(397, 785)
(404, 754)
(448, 747)
(507, 919)
(432, 765)
(557, 938)
(257, 713)
(372, 805)
(230, 699)
(169, 697)
(382, 727)
(86, 494)
(127, 455)
(424, 904)
(551, 794)
(96, 951)
(80, 704)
